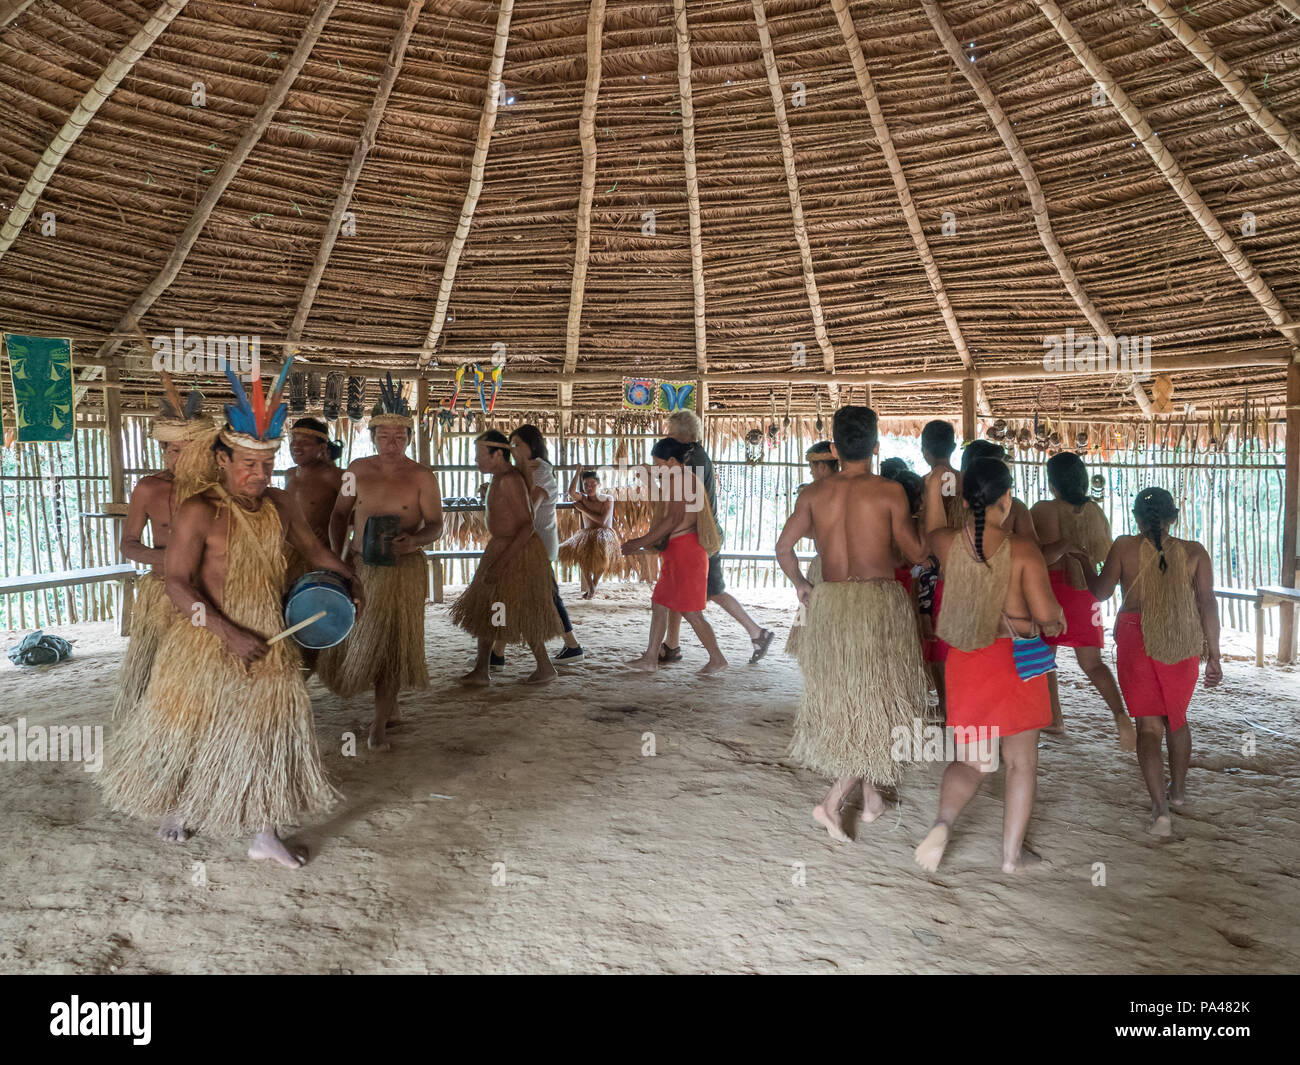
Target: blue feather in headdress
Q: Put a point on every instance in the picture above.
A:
(240, 413)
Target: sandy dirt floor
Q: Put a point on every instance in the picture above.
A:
(525, 830)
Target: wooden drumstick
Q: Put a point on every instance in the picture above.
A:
(294, 628)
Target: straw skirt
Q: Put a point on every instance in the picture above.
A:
(862, 679)
(151, 617)
(595, 551)
(519, 607)
(229, 748)
(388, 639)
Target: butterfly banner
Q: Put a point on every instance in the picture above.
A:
(40, 369)
(676, 395)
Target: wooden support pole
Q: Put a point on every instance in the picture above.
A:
(422, 441)
(968, 432)
(113, 428)
(1290, 507)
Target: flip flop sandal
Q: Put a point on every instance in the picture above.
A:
(669, 654)
(761, 645)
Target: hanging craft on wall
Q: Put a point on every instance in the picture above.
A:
(639, 393)
(1162, 394)
(297, 392)
(356, 398)
(333, 395)
(40, 369)
(676, 395)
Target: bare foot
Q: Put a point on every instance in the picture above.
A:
(1055, 729)
(267, 845)
(1175, 799)
(930, 852)
(872, 805)
(1128, 737)
(713, 666)
(396, 721)
(476, 678)
(1162, 822)
(644, 664)
(173, 829)
(831, 822)
(1022, 863)
(541, 675)
(376, 740)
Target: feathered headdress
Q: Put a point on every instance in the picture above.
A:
(392, 408)
(256, 425)
(177, 419)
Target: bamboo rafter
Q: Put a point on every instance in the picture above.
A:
(683, 36)
(366, 141)
(220, 182)
(1228, 78)
(81, 115)
(1037, 201)
(478, 164)
(587, 135)
(1173, 173)
(792, 187)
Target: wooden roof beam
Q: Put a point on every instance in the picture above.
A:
(486, 123)
(692, 183)
(117, 69)
(1173, 174)
(1228, 78)
(792, 187)
(1037, 201)
(904, 193)
(220, 182)
(396, 53)
(582, 249)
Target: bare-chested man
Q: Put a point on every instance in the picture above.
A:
(314, 480)
(683, 585)
(186, 436)
(394, 506)
(224, 739)
(511, 598)
(594, 548)
(859, 652)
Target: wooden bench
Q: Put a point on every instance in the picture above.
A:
(435, 574)
(39, 582)
(1270, 595)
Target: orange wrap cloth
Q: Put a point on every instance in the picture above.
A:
(1151, 688)
(683, 575)
(985, 689)
(1083, 626)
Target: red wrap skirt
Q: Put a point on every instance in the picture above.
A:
(683, 583)
(1083, 626)
(1151, 688)
(985, 689)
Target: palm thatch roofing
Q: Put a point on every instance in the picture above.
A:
(765, 192)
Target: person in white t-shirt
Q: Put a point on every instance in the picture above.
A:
(529, 450)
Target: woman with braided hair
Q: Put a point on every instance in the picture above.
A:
(1167, 616)
(997, 591)
(1075, 537)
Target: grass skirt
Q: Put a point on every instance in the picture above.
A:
(151, 616)
(231, 749)
(388, 640)
(595, 551)
(863, 678)
(519, 608)
(792, 641)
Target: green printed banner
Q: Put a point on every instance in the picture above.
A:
(40, 369)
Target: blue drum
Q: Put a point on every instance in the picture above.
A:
(311, 593)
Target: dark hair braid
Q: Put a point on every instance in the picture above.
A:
(985, 482)
(1152, 508)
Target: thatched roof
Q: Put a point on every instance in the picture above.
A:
(780, 219)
